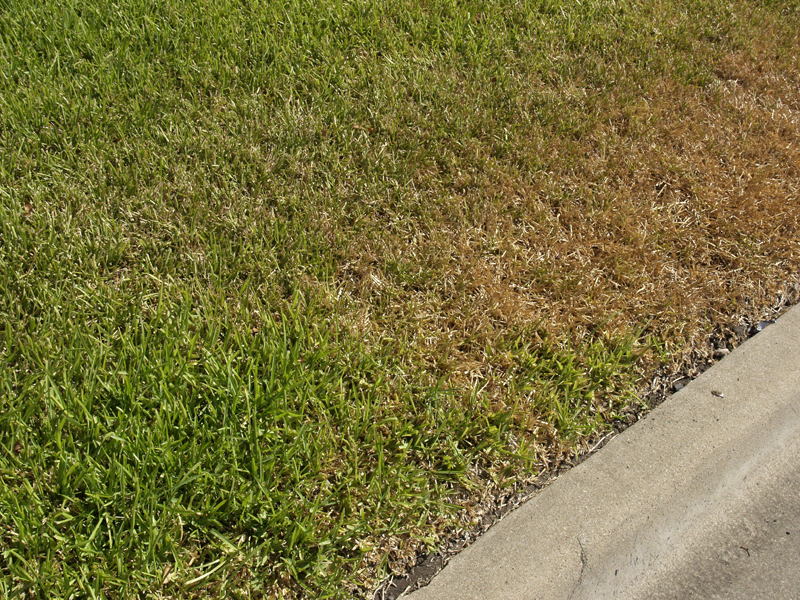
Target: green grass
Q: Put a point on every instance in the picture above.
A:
(165, 434)
(160, 445)
(241, 346)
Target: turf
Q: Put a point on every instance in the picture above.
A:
(286, 288)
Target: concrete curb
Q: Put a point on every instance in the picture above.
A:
(700, 499)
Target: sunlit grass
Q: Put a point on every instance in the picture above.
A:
(280, 281)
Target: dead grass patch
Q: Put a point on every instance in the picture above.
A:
(679, 210)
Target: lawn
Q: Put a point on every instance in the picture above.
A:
(289, 288)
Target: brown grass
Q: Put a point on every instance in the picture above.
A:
(679, 210)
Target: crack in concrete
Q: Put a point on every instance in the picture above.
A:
(583, 568)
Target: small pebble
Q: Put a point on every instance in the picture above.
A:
(717, 394)
(720, 352)
(764, 324)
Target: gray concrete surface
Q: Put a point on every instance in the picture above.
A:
(699, 500)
